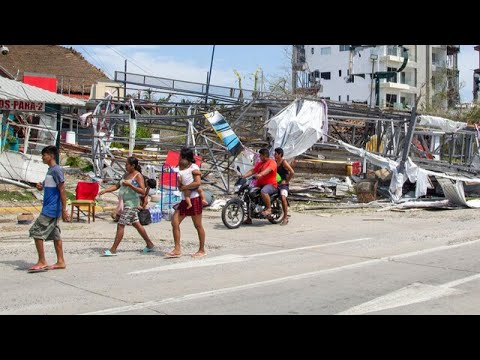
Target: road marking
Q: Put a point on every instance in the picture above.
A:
(223, 291)
(232, 258)
(273, 282)
(410, 294)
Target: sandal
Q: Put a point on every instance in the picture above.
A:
(284, 222)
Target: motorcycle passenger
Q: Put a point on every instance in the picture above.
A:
(266, 174)
(286, 174)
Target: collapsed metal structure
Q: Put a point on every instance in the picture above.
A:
(387, 133)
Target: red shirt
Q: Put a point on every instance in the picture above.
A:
(271, 177)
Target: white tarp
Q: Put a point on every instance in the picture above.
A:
(244, 161)
(437, 122)
(415, 174)
(299, 126)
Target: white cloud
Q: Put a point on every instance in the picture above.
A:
(143, 60)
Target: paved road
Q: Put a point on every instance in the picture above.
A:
(356, 263)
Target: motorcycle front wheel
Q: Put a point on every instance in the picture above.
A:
(232, 213)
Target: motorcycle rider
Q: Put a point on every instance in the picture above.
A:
(265, 172)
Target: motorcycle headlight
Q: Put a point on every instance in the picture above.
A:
(237, 188)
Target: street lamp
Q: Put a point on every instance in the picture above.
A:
(374, 58)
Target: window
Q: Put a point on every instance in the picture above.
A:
(326, 51)
(344, 47)
(402, 78)
(392, 50)
(325, 75)
(313, 50)
(391, 99)
(393, 79)
(348, 97)
(339, 97)
(339, 73)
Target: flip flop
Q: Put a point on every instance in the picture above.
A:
(147, 249)
(171, 255)
(198, 256)
(56, 267)
(37, 268)
(109, 253)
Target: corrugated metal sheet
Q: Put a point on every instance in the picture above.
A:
(11, 89)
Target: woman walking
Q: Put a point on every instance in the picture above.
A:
(195, 211)
(132, 187)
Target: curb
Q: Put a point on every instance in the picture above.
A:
(36, 209)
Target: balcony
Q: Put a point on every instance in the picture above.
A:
(397, 60)
(398, 86)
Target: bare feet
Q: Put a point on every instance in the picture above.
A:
(38, 267)
(172, 254)
(57, 266)
(199, 254)
(267, 212)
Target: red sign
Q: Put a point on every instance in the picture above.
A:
(22, 105)
(43, 82)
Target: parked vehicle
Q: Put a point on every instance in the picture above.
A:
(249, 202)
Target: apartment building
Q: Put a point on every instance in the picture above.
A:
(339, 73)
(476, 77)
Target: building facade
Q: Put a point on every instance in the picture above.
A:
(476, 77)
(346, 73)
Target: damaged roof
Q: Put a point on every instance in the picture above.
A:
(15, 90)
(65, 63)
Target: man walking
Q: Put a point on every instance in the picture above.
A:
(54, 205)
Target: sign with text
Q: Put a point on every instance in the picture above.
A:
(23, 105)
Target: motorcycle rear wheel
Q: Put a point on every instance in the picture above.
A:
(277, 212)
(232, 213)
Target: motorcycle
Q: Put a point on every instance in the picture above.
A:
(249, 202)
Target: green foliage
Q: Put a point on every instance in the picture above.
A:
(74, 161)
(118, 145)
(16, 195)
(143, 132)
(88, 168)
(70, 195)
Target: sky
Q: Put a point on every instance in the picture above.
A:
(192, 62)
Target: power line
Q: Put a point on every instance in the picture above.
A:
(147, 72)
(101, 65)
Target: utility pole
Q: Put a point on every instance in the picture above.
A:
(125, 81)
(209, 76)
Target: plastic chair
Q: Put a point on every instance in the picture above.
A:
(85, 195)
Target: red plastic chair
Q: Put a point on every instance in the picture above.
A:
(169, 179)
(85, 195)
